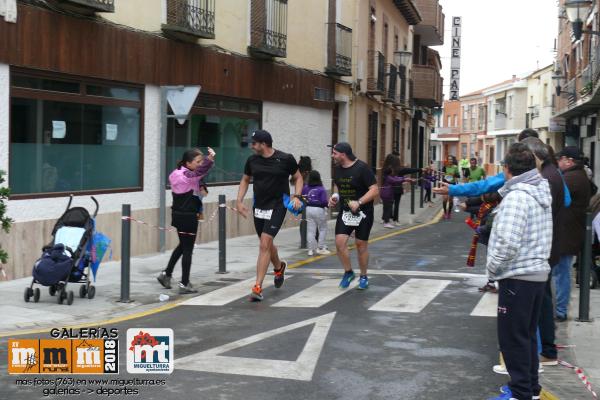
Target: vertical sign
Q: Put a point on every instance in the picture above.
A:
(455, 58)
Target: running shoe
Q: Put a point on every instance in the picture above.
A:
(186, 289)
(256, 293)
(280, 275)
(346, 279)
(505, 389)
(505, 394)
(324, 251)
(164, 280)
(363, 282)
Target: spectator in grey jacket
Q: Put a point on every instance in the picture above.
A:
(518, 253)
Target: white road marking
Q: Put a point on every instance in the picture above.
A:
(302, 369)
(316, 295)
(487, 306)
(412, 296)
(226, 294)
(393, 272)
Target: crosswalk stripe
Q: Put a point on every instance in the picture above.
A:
(316, 295)
(227, 294)
(487, 306)
(412, 296)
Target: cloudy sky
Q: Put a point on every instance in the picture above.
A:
(499, 39)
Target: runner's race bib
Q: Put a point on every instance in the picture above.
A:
(350, 219)
(262, 214)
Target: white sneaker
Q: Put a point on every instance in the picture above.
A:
(397, 223)
(311, 253)
(501, 369)
(388, 225)
(323, 251)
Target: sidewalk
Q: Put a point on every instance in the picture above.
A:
(19, 317)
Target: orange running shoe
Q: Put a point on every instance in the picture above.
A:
(256, 293)
(280, 275)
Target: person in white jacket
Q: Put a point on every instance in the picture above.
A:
(517, 259)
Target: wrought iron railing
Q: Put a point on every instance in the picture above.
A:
(196, 17)
(390, 92)
(269, 27)
(376, 71)
(339, 50)
(571, 91)
(96, 5)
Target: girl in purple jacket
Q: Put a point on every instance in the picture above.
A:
(316, 213)
(184, 182)
(389, 180)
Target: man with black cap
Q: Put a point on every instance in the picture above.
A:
(570, 162)
(356, 189)
(270, 171)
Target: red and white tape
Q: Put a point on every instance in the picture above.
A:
(579, 372)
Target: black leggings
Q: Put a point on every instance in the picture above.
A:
(189, 224)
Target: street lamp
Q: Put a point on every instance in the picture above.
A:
(402, 58)
(577, 11)
(557, 77)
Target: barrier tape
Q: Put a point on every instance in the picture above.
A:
(579, 372)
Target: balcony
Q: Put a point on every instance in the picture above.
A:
(339, 50)
(431, 28)
(268, 33)
(500, 121)
(390, 93)
(88, 7)
(376, 72)
(190, 19)
(427, 90)
(571, 92)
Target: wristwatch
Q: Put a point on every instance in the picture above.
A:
(359, 202)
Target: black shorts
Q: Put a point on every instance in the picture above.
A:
(362, 231)
(270, 226)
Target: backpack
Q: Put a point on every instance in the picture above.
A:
(53, 266)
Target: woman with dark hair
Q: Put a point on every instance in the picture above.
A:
(316, 213)
(389, 181)
(184, 181)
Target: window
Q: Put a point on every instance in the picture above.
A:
(463, 150)
(71, 135)
(455, 121)
(448, 121)
(226, 126)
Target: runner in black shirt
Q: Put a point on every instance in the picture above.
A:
(270, 171)
(356, 189)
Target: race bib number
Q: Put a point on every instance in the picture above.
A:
(262, 214)
(350, 219)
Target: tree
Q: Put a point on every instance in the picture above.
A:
(4, 220)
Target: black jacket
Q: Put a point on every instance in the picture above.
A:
(572, 220)
(557, 189)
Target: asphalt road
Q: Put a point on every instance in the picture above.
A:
(421, 331)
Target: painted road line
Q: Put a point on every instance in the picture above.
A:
(432, 274)
(316, 295)
(301, 369)
(412, 296)
(226, 294)
(487, 306)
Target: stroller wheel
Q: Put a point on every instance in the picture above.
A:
(62, 295)
(28, 293)
(91, 292)
(36, 295)
(82, 291)
(52, 290)
(70, 297)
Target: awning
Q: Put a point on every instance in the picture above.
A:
(504, 132)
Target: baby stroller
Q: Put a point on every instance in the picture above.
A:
(66, 258)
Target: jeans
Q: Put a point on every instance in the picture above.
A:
(387, 210)
(562, 282)
(316, 219)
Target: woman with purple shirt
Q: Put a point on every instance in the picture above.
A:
(316, 213)
(389, 180)
(184, 182)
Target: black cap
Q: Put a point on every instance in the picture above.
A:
(344, 147)
(262, 136)
(571, 152)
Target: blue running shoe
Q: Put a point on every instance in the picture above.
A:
(346, 279)
(505, 394)
(505, 389)
(363, 282)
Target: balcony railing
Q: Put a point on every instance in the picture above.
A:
(391, 77)
(376, 71)
(571, 91)
(268, 36)
(89, 6)
(339, 50)
(192, 18)
(427, 86)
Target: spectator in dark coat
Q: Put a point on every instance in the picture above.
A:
(572, 223)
